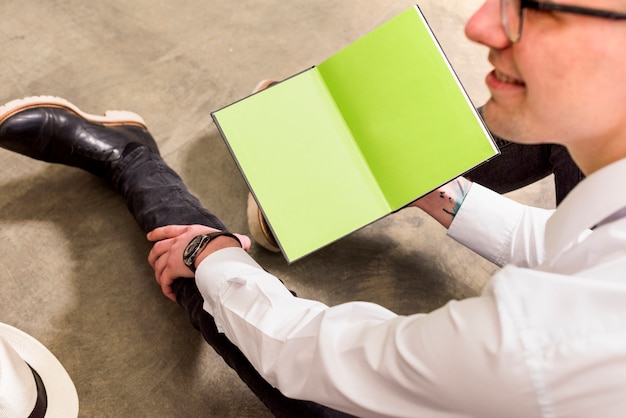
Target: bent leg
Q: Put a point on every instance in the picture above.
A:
(156, 196)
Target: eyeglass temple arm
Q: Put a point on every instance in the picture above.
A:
(541, 5)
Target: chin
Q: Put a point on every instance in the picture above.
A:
(506, 125)
(497, 124)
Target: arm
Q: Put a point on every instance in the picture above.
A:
(360, 357)
(170, 242)
(444, 203)
(357, 357)
(496, 227)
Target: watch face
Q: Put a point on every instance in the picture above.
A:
(191, 247)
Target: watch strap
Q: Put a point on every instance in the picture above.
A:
(190, 254)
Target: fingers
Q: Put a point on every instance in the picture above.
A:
(245, 241)
(158, 249)
(158, 259)
(164, 270)
(170, 240)
(167, 291)
(166, 254)
(172, 231)
(166, 288)
(165, 232)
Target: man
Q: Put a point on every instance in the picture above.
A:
(547, 337)
(119, 148)
(525, 348)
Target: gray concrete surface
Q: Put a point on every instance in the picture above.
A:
(73, 263)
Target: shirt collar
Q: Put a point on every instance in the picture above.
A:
(592, 201)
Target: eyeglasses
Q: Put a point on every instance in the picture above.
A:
(513, 14)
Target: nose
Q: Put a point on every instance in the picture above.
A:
(485, 26)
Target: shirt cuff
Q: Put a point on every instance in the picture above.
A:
(485, 223)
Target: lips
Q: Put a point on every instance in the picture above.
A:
(508, 80)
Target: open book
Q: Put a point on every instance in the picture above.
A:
(342, 144)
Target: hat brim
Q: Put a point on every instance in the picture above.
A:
(60, 390)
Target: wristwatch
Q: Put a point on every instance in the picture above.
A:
(197, 244)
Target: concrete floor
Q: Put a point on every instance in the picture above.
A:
(73, 262)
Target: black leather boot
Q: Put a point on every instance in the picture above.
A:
(54, 130)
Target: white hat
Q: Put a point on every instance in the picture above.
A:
(32, 379)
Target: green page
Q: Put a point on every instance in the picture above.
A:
(338, 146)
(301, 163)
(406, 109)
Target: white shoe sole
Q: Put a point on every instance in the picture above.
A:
(263, 85)
(110, 118)
(259, 230)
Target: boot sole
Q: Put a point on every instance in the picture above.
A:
(259, 230)
(263, 84)
(110, 118)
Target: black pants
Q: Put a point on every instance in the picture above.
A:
(156, 196)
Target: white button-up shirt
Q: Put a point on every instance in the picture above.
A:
(547, 337)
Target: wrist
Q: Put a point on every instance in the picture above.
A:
(214, 245)
(214, 241)
(444, 203)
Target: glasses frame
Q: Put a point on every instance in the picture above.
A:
(552, 7)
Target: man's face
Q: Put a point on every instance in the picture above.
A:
(563, 82)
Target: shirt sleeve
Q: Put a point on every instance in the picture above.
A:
(359, 357)
(499, 229)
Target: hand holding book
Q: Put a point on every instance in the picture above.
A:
(345, 143)
(444, 202)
